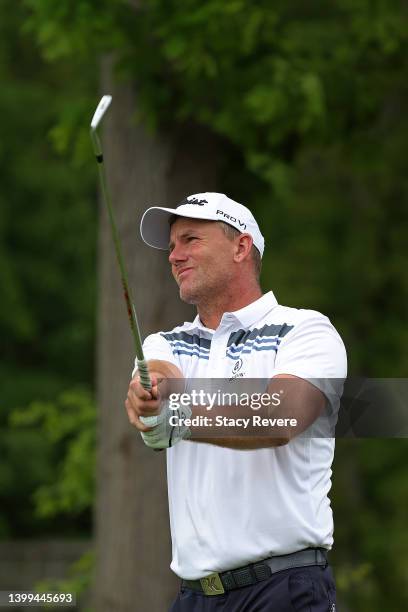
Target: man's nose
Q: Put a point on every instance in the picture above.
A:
(177, 254)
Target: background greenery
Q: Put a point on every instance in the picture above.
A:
(310, 100)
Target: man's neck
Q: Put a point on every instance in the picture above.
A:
(211, 313)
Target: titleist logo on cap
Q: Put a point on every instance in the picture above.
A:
(193, 201)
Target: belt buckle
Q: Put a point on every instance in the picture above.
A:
(212, 584)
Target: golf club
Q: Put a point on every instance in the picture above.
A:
(134, 325)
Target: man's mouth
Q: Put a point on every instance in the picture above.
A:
(182, 273)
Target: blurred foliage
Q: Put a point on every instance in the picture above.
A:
(47, 263)
(68, 428)
(370, 497)
(50, 469)
(310, 101)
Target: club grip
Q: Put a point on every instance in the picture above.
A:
(144, 374)
(146, 384)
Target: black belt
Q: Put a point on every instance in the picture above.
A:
(216, 584)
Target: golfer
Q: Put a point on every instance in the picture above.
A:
(250, 517)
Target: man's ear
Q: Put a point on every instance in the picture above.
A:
(243, 247)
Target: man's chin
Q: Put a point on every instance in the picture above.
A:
(187, 295)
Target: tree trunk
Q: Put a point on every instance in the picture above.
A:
(131, 515)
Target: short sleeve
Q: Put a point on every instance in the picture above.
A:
(157, 347)
(314, 351)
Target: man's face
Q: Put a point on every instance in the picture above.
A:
(201, 258)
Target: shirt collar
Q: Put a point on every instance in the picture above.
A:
(250, 314)
(246, 316)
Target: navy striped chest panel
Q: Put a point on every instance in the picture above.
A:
(266, 338)
(191, 345)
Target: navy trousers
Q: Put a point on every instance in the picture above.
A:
(303, 589)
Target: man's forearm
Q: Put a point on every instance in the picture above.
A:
(242, 427)
(212, 431)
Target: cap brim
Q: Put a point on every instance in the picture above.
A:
(155, 224)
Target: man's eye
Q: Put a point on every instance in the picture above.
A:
(189, 238)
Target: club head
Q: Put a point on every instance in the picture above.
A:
(100, 111)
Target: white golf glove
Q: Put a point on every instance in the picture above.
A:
(168, 427)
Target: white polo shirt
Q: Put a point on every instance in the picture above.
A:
(229, 507)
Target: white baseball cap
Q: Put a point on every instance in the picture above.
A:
(155, 227)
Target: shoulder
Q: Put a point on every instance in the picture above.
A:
(179, 333)
(297, 315)
(294, 320)
(310, 341)
(178, 343)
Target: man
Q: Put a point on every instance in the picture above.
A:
(250, 518)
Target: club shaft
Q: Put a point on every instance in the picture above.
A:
(134, 325)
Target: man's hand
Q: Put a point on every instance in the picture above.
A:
(141, 403)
